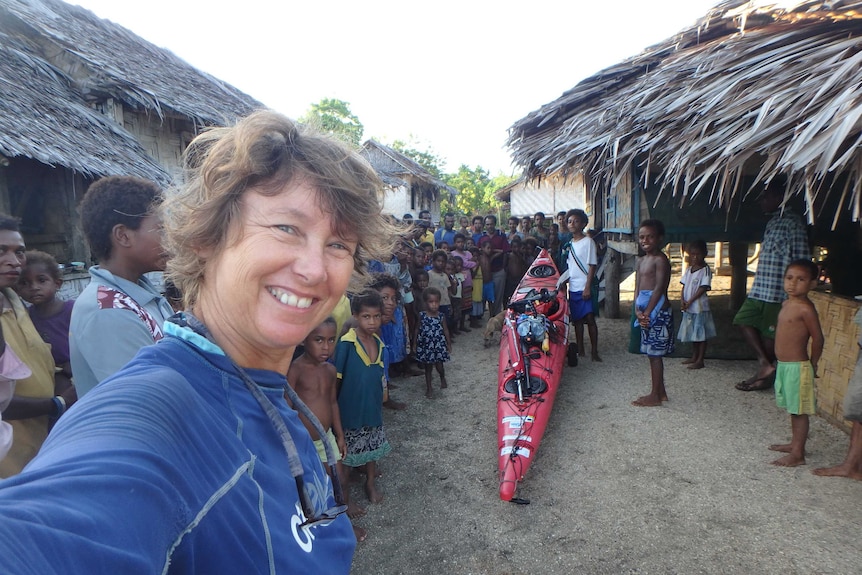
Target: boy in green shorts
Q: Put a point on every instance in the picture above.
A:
(794, 377)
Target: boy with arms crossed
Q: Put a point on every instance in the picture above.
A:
(794, 376)
(653, 311)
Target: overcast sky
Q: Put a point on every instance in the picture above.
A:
(454, 74)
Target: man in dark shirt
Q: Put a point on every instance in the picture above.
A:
(499, 247)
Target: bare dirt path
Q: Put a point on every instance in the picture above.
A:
(684, 488)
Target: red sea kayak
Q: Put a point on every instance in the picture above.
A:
(532, 351)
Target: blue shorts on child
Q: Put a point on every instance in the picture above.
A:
(579, 308)
(658, 339)
(488, 292)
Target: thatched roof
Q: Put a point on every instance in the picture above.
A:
(760, 88)
(56, 59)
(396, 169)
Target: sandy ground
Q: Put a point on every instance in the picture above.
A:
(684, 488)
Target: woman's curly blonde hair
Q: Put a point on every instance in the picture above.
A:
(266, 151)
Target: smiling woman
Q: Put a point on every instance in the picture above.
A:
(264, 238)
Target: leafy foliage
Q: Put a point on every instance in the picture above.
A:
(428, 159)
(475, 190)
(333, 116)
(475, 186)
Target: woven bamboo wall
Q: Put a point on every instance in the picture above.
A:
(839, 354)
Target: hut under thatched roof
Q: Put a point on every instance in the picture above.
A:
(411, 188)
(82, 98)
(62, 72)
(755, 91)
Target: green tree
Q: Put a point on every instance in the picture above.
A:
(333, 116)
(475, 190)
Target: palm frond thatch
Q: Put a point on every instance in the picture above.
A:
(396, 169)
(774, 85)
(58, 60)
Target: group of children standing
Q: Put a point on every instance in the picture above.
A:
(796, 327)
(343, 374)
(344, 371)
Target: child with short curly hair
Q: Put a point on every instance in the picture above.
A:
(433, 343)
(38, 284)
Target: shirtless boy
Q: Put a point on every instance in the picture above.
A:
(794, 376)
(314, 379)
(485, 256)
(652, 309)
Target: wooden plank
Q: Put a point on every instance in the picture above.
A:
(625, 247)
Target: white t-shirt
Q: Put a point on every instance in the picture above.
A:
(691, 281)
(585, 248)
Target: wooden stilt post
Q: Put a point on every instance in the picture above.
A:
(719, 257)
(738, 255)
(612, 283)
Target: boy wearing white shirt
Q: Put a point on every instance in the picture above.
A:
(581, 259)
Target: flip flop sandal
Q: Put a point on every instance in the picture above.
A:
(754, 386)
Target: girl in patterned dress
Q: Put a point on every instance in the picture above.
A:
(697, 324)
(359, 361)
(432, 339)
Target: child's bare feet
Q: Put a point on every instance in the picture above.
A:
(789, 460)
(688, 361)
(394, 405)
(648, 401)
(782, 447)
(595, 356)
(443, 384)
(429, 395)
(842, 470)
(359, 533)
(374, 496)
(354, 510)
(356, 473)
(695, 365)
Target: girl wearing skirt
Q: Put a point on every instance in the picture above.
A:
(697, 325)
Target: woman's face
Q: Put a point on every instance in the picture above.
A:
(390, 301)
(148, 250)
(278, 276)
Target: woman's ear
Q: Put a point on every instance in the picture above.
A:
(120, 236)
